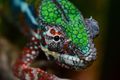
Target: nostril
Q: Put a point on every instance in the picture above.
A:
(56, 38)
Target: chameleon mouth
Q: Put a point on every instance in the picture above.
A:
(75, 59)
(69, 59)
(64, 60)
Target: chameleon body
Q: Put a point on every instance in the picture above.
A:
(63, 33)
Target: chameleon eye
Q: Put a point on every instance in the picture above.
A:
(56, 38)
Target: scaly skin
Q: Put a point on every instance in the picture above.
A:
(62, 33)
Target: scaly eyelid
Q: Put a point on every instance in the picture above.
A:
(54, 32)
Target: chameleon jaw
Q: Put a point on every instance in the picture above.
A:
(65, 60)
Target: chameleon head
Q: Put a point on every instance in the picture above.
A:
(72, 36)
(57, 41)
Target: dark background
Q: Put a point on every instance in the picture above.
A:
(111, 63)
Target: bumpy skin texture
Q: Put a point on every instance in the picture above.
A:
(62, 33)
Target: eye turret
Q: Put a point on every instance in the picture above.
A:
(56, 38)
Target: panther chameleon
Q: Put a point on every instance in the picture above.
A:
(62, 33)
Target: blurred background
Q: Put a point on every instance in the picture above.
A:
(106, 67)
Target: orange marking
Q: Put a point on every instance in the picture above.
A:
(52, 31)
